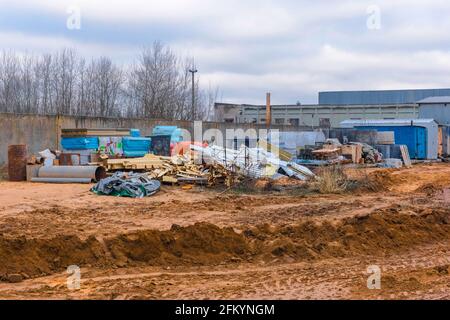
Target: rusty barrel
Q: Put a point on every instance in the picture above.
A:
(17, 162)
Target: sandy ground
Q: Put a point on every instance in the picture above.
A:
(178, 244)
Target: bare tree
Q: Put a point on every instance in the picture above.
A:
(156, 85)
(9, 77)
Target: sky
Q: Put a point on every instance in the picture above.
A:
(291, 48)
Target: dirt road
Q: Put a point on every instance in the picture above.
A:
(201, 244)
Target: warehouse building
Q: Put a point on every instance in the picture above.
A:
(334, 107)
(438, 108)
(315, 116)
(380, 97)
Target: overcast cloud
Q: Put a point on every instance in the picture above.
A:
(292, 48)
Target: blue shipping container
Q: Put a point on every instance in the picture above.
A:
(414, 137)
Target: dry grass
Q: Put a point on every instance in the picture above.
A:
(332, 179)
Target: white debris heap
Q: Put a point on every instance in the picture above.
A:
(254, 163)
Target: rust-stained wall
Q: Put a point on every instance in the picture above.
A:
(42, 132)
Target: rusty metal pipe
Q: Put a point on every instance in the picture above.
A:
(17, 162)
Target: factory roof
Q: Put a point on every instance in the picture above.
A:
(435, 100)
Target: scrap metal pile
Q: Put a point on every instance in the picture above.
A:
(211, 165)
(255, 163)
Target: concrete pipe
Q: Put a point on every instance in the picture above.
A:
(62, 180)
(83, 172)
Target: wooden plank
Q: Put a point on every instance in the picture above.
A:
(405, 156)
(169, 179)
(327, 151)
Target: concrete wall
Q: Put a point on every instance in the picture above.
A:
(42, 132)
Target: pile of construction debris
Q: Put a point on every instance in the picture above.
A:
(211, 165)
(255, 163)
(333, 152)
(172, 170)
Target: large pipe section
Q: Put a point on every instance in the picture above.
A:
(73, 172)
(62, 180)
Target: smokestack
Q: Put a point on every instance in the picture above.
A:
(268, 111)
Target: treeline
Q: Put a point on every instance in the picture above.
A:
(156, 85)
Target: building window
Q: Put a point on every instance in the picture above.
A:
(229, 120)
(294, 122)
(279, 121)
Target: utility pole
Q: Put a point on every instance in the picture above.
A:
(193, 71)
(268, 111)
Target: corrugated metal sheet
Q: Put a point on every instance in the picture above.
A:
(379, 97)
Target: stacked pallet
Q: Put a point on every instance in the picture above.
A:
(71, 133)
(327, 153)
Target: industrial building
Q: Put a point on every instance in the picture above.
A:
(419, 119)
(379, 97)
(334, 107)
(313, 116)
(438, 108)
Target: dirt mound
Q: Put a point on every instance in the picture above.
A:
(202, 243)
(34, 257)
(432, 189)
(381, 180)
(384, 232)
